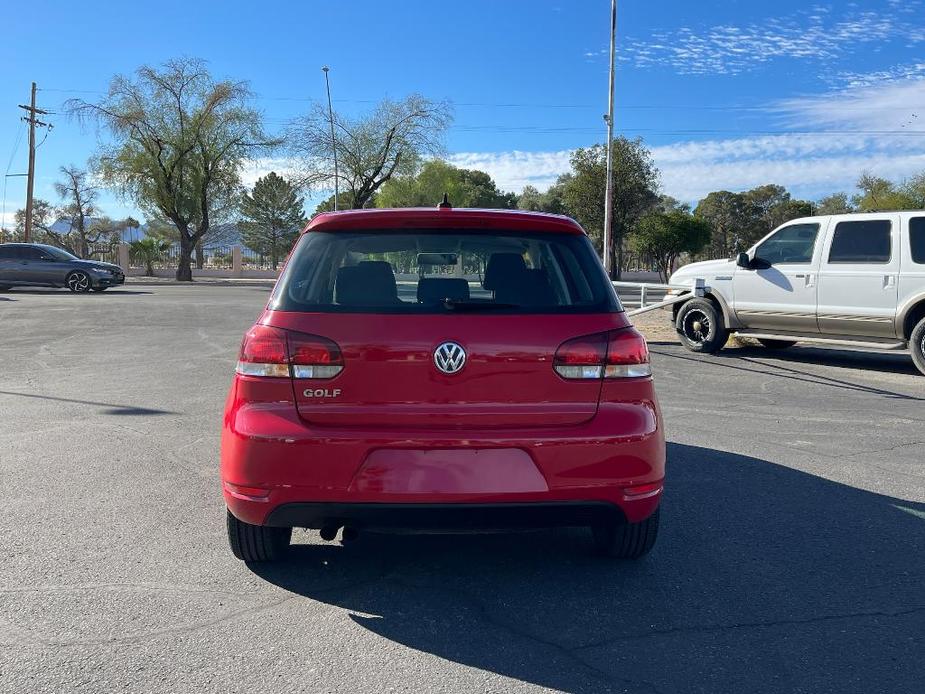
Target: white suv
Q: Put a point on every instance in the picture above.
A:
(854, 279)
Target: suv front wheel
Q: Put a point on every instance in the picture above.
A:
(701, 326)
(917, 345)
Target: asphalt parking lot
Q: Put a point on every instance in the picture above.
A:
(791, 556)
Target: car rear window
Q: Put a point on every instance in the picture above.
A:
(443, 271)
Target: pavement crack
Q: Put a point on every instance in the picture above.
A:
(747, 625)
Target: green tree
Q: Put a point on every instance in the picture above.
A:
(273, 215)
(148, 250)
(879, 194)
(837, 203)
(533, 200)
(727, 215)
(664, 236)
(766, 208)
(914, 189)
(178, 141)
(635, 185)
(43, 216)
(390, 141)
(344, 202)
(666, 204)
(425, 188)
(86, 226)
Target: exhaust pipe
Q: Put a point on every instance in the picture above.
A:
(329, 532)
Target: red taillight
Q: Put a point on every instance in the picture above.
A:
(277, 353)
(617, 354)
(314, 357)
(627, 355)
(264, 353)
(582, 357)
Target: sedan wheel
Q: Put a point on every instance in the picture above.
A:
(78, 282)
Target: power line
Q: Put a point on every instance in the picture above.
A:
(490, 104)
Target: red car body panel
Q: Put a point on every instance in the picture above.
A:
(390, 428)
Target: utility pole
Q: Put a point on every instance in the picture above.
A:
(30, 186)
(608, 199)
(327, 84)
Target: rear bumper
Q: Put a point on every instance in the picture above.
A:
(444, 517)
(276, 469)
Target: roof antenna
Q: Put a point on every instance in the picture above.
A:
(445, 205)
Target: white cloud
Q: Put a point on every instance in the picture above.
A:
(812, 34)
(885, 108)
(514, 170)
(258, 168)
(834, 137)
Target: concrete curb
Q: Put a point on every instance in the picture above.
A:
(201, 282)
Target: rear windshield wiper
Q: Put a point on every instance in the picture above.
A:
(462, 305)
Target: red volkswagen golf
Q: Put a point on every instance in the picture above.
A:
(438, 370)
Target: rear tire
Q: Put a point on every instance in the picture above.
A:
(701, 326)
(626, 540)
(777, 344)
(917, 345)
(253, 543)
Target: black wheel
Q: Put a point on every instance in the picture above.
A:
(777, 344)
(256, 542)
(78, 281)
(100, 289)
(701, 327)
(626, 540)
(917, 345)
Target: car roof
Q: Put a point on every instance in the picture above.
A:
(442, 218)
(28, 245)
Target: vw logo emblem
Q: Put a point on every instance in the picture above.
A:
(450, 357)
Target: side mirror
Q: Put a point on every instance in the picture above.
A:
(743, 261)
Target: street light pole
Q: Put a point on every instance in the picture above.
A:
(327, 85)
(608, 195)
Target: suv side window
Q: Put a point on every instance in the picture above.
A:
(793, 244)
(865, 241)
(9, 252)
(917, 239)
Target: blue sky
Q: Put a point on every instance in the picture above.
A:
(728, 94)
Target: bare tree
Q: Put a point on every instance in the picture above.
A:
(178, 141)
(391, 140)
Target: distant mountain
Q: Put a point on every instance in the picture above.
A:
(220, 235)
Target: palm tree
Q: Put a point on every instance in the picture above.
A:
(149, 250)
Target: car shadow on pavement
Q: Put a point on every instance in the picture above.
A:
(759, 363)
(897, 362)
(111, 408)
(764, 578)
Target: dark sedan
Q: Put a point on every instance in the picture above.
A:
(40, 265)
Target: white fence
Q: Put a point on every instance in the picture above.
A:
(649, 290)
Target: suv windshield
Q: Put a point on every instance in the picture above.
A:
(444, 271)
